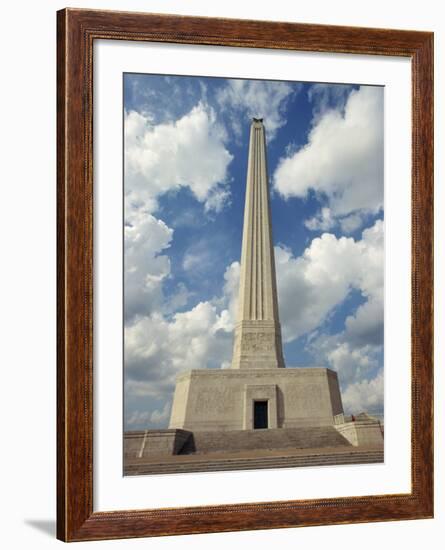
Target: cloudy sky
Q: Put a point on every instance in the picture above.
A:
(186, 141)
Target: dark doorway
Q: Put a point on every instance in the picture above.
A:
(260, 415)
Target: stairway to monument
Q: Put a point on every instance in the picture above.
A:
(281, 438)
(193, 463)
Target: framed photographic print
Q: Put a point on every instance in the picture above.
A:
(244, 275)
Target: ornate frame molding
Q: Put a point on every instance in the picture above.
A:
(76, 32)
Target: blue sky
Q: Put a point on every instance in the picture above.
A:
(186, 142)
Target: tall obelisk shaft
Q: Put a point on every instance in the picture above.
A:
(257, 342)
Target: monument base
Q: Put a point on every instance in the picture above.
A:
(235, 417)
(233, 399)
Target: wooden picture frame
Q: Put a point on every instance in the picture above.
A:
(76, 32)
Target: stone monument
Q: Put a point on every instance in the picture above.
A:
(257, 392)
(257, 403)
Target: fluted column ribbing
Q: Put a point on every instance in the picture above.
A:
(257, 334)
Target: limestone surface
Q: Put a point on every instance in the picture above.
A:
(211, 399)
(257, 342)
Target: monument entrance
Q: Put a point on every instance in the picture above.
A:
(260, 415)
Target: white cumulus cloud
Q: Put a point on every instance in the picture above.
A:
(312, 285)
(163, 157)
(157, 348)
(352, 363)
(342, 161)
(323, 221)
(365, 395)
(256, 98)
(145, 265)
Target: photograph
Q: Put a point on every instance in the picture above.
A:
(253, 284)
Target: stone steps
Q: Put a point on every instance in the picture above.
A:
(281, 438)
(368, 456)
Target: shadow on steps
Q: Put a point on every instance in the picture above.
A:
(281, 438)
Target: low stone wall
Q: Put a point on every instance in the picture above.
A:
(145, 443)
(362, 433)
